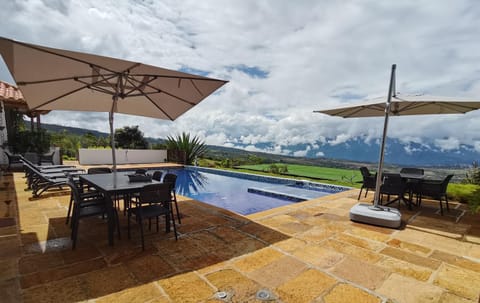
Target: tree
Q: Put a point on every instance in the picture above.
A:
(193, 147)
(130, 137)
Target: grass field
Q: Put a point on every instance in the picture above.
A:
(348, 176)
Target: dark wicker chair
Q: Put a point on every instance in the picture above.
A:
(154, 201)
(13, 160)
(393, 185)
(436, 190)
(86, 207)
(413, 185)
(369, 181)
(171, 179)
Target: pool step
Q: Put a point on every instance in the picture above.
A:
(286, 192)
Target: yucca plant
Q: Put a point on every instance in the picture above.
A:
(192, 146)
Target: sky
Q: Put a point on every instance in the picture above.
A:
(283, 60)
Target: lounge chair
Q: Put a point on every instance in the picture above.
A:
(13, 159)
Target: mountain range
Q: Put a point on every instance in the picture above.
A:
(355, 150)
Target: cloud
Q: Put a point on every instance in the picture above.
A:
(282, 59)
(447, 144)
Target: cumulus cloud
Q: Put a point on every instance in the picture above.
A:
(447, 144)
(283, 60)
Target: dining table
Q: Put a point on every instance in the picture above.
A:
(112, 185)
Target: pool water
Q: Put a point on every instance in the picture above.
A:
(237, 192)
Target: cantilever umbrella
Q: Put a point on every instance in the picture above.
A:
(56, 79)
(396, 105)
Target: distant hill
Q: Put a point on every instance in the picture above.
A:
(352, 153)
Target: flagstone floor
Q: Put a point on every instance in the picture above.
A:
(304, 252)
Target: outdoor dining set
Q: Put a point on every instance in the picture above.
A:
(409, 185)
(98, 191)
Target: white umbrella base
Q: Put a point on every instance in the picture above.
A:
(379, 215)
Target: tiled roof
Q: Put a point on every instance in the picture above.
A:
(10, 93)
(12, 98)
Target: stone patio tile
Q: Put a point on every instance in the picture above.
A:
(411, 258)
(263, 232)
(149, 268)
(36, 233)
(365, 274)
(10, 291)
(8, 230)
(436, 242)
(456, 260)
(106, 281)
(406, 290)
(445, 228)
(412, 247)
(461, 282)
(237, 285)
(39, 262)
(286, 224)
(451, 298)
(278, 272)
(342, 293)
(257, 259)
(59, 273)
(371, 231)
(315, 234)
(318, 255)
(66, 290)
(290, 245)
(307, 286)
(9, 247)
(406, 269)
(186, 287)
(138, 294)
(363, 243)
(8, 269)
(352, 250)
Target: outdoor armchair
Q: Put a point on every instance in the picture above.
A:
(369, 181)
(83, 207)
(393, 184)
(436, 190)
(154, 201)
(171, 180)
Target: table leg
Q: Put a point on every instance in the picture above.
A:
(110, 218)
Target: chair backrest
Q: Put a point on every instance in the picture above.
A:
(73, 191)
(412, 170)
(156, 193)
(157, 175)
(170, 179)
(365, 172)
(393, 184)
(445, 183)
(140, 171)
(99, 170)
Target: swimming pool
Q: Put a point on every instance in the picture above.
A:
(246, 193)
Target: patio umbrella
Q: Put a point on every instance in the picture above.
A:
(397, 105)
(56, 79)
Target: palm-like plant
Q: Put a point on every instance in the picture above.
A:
(192, 146)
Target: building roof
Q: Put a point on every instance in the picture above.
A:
(12, 98)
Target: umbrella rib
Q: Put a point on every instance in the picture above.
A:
(193, 83)
(64, 56)
(24, 83)
(159, 108)
(69, 93)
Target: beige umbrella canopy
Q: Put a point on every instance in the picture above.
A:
(400, 105)
(56, 79)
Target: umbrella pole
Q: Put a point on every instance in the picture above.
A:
(384, 137)
(112, 135)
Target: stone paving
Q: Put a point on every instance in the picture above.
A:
(303, 252)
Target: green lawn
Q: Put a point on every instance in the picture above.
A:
(314, 172)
